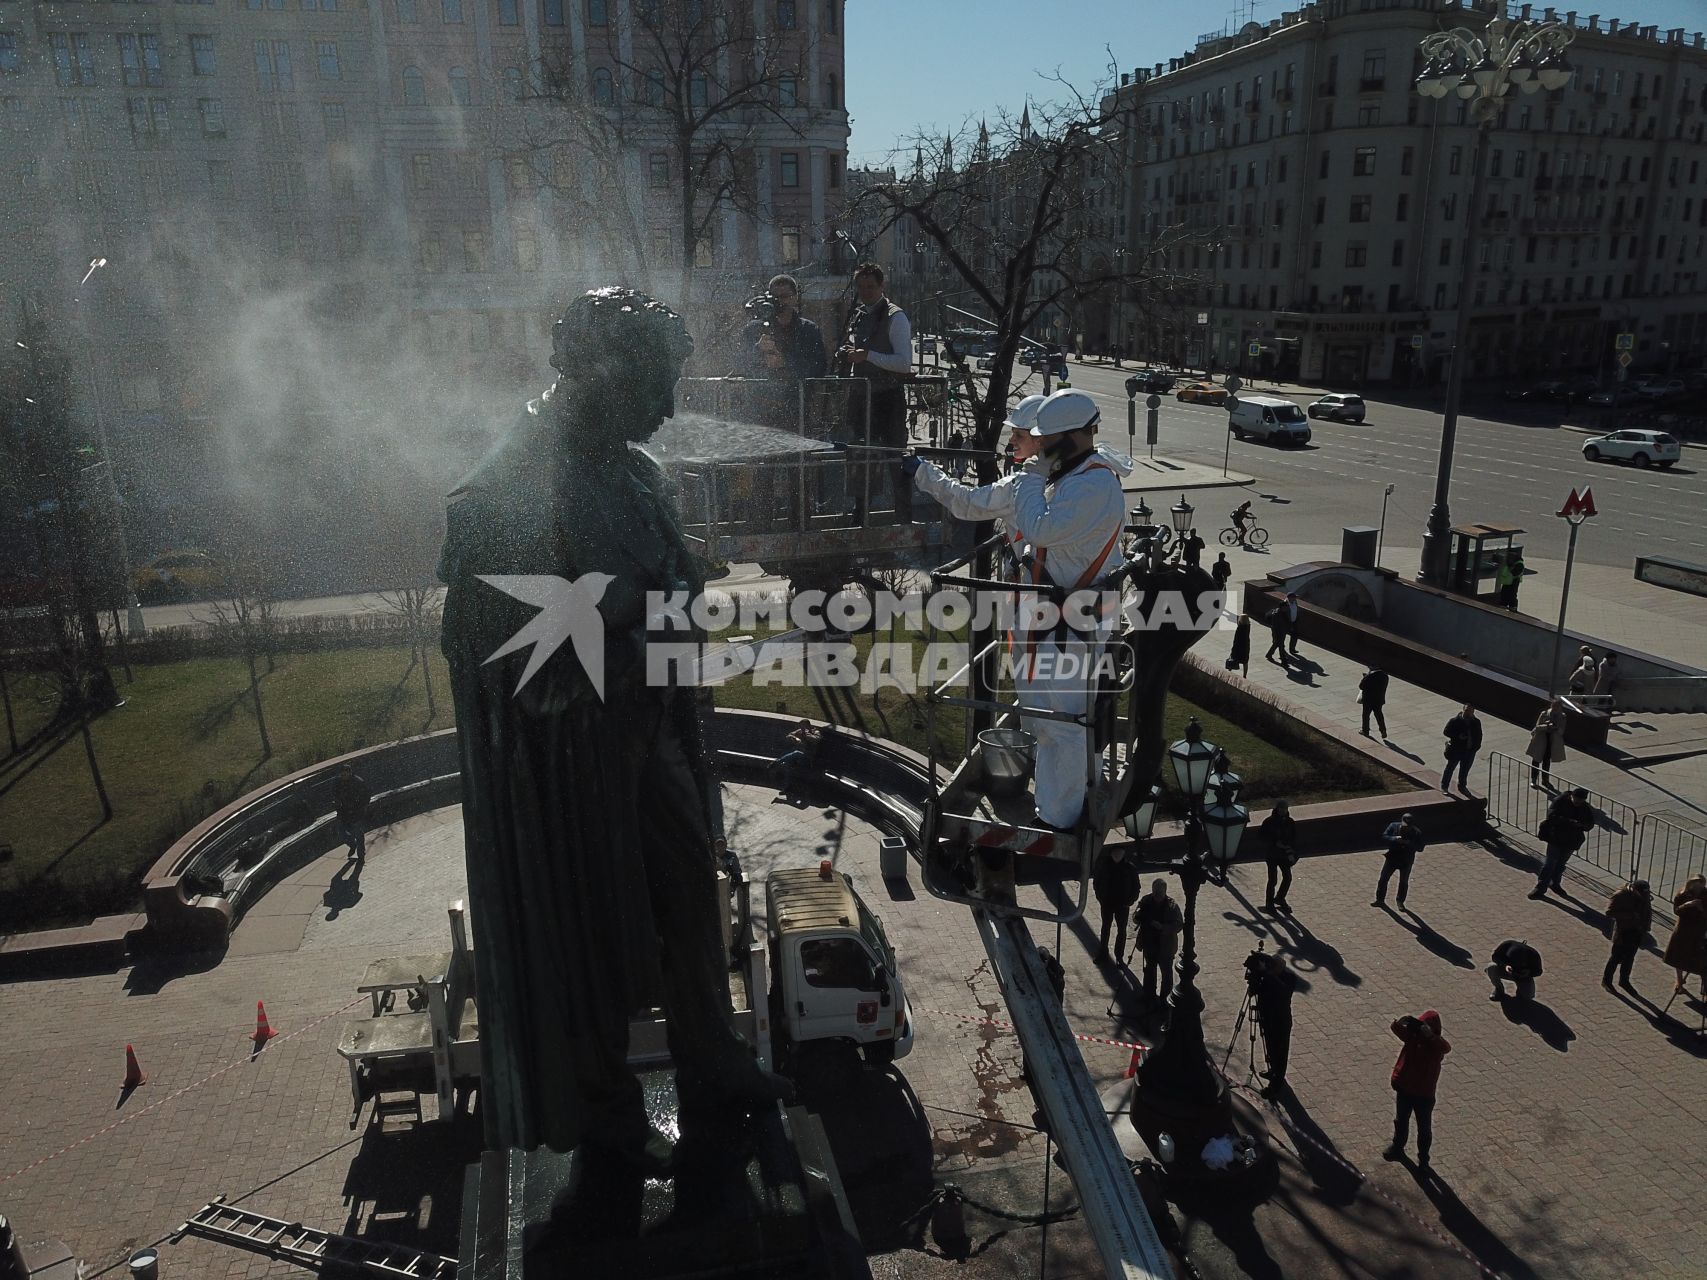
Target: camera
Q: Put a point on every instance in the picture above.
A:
(762, 307)
(1256, 969)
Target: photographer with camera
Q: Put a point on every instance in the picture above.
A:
(1416, 1074)
(779, 343)
(1269, 984)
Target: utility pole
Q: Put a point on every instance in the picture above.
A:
(1576, 510)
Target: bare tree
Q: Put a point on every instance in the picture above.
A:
(243, 611)
(69, 670)
(419, 609)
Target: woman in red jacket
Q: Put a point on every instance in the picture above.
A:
(1415, 1075)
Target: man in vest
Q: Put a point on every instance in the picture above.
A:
(1072, 511)
(879, 348)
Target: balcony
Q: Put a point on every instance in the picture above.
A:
(1253, 107)
(1372, 84)
(1283, 94)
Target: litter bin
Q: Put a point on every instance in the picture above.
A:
(1010, 756)
(145, 1264)
(892, 858)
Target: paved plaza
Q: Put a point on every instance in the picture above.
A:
(1567, 1134)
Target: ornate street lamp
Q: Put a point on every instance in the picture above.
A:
(1181, 515)
(1141, 819)
(1481, 68)
(1181, 1104)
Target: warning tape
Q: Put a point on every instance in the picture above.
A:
(278, 1038)
(1008, 1026)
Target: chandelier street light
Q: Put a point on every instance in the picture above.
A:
(1482, 68)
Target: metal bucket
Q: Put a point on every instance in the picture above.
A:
(1010, 757)
(145, 1264)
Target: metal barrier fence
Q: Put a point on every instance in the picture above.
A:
(1624, 843)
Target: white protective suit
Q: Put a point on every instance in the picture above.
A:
(1077, 516)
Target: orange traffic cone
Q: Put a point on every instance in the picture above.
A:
(263, 1032)
(1132, 1066)
(132, 1069)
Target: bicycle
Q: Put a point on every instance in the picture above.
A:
(1255, 539)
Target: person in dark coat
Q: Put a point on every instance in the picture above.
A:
(1292, 611)
(1404, 841)
(1463, 741)
(1567, 825)
(350, 799)
(1415, 1080)
(1116, 882)
(1239, 658)
(1686, 949)
(1160, 924)
(1280, 832)
(1515, 962)
(1372, 694)
(1191, 549)
(1221, 571)
(1631, 912)
(1271, 985)
(1277, 636)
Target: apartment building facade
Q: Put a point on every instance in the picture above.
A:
(1320, 203)
(285, 191)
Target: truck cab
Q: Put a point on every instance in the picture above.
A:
(835, 977)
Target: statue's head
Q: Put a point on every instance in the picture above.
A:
(625, 350)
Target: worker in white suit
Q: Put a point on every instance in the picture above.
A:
(1073, 511)
(989, 501)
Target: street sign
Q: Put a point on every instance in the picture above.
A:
(1578, 507)
(1624, 358)
(1255, 349)
(1153, 402)
(1202, 317)
(1416, 342)
(1626, 342)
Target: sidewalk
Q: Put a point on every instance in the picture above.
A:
(1656, 764)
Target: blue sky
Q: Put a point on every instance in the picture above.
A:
(936, 63)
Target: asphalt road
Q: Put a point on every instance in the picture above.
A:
(1511, 471)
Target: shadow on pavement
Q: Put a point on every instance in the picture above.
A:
(1540, 1019)
(1469, 1230)
(1683, 1032)
(405, 1185)
(1336, 1181)
(152, 972)
(885, 1154)
(342, 894)
(1432, 940)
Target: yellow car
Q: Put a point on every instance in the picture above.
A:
(1201, 393)
(175, 575)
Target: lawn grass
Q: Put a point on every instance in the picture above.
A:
(183, 745)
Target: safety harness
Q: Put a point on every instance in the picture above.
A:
(1036, 567)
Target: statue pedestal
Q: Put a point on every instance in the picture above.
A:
(763, 1193)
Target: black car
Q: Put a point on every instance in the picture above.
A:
(1152, 382)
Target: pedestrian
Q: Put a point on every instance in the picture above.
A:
(350, 800)
(1116, 882)
(1606, 675)
(1546, 745)
(1159, 924)
(1515, 962)
(1631, 911)
(1270, 984)
(1416, 1077)
(1277, 636)
(1372, 694)
(1463, 741)
(1404, 841)
(1686, 950)
(1563, 830)
(1507, 579)
(1191, 549)
(805, 741)
(1239, 659)
(1280, 830)
(1292, 622)
(1583, 674)
(1221, 571)
(878, 347)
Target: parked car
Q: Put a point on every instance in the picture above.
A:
(175, 575)
(1658, 389)
(1619, 396)
(1550, 392)
(1201, 393)
(1152, 382)
(1269, 418)
(1636, 444)
(1341, 406)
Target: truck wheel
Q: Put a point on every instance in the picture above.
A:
(825, 1069)
(879, 1054)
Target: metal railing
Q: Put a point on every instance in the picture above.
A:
(1624, 843)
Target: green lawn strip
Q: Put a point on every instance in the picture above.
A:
(183, 745)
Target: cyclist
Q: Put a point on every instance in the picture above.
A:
(1242, 517)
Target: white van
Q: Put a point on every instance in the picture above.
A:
(1269, 418)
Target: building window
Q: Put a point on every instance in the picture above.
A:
(474, 251)
(525, 242)
(598, 13)
(1360, 208)
(518, 174)
(1449, 207)
(1369, 113)
(406, 12)
(659, 171)
(414, 87)
(833, 92)
(1398, 253)
(1374, 70)
(202, 60)
(421, 170)
(787, 91)
(836, 173)
(704, 252)
(212, 111)
(663, 249)
(1363, 162)
(332, 119)
(1316, 254)
(791, 246)
(514, 86)
(787, 16)
(73, 60)
(139, 60)
(148, 120)
(603, 90)
(1446, 253)
(272, 66)
(791, 168)
(1495, 160)
(654, 88)
(452, 11)
(1356, 255)
(699, 90)
(432, 255)
(460, 91)
(326, 59)
(1404, 210)
(509, 13)
(1321, 210)
(1322, 168)
(1455, 160)
(8, 53)
(553, 13)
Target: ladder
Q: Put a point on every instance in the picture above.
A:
(310, 1247)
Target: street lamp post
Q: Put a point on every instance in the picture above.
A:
(1481, 68)
(1120, 257)
(1381, 535)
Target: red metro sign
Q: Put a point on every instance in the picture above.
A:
(1577, 507)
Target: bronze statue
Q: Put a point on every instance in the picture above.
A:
(586, 811)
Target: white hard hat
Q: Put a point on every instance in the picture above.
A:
(1024, 414)
(1069, 410)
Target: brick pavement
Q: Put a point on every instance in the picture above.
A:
(1568, 1143)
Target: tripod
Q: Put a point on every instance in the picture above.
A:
(1700, 1030)
(1246, 1022)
